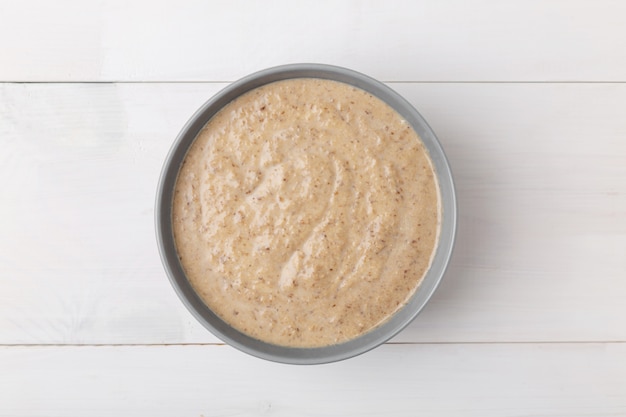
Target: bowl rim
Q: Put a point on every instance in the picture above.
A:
(298, 355)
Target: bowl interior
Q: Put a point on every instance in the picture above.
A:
(259, 348)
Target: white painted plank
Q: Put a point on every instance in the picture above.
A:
(540, 172)
(406, 40)
(395, 380)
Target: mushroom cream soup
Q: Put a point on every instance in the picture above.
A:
(306, 212)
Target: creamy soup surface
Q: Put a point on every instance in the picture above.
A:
(306, 212)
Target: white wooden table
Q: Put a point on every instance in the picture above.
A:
(528, 98)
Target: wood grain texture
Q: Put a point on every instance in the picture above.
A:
(400, 380)
(450, 40)
(539, 168)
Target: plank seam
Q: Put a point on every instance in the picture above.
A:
(384, 81)
(28, 345)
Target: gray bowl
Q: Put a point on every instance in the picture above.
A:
(292, 355)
